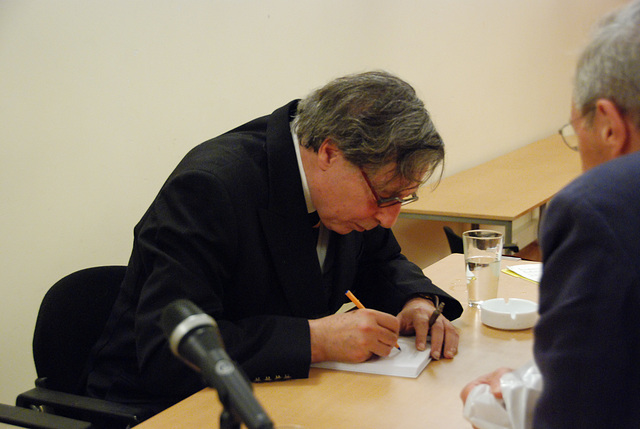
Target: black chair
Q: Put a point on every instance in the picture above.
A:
(70, 321)
(24, 418)
(455, 241)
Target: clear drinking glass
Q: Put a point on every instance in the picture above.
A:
(482, 255)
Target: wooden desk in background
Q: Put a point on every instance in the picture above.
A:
(336, 400)
(501, 190)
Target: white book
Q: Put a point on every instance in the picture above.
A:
(407, 362)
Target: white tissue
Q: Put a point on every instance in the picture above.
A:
(520, 391)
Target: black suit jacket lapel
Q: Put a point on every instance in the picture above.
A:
(285, 222)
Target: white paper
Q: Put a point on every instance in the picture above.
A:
(407, 362)
(531, 272)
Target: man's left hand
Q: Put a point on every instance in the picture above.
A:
(414, 319)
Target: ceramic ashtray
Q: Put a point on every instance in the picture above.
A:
(513, 314)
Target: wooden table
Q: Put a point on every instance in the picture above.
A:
(334, 399)
(501, 190)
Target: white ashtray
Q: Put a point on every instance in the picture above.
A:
(513, 314)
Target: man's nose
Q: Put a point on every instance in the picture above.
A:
(387, 216)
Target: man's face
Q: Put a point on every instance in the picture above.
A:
(345, 202)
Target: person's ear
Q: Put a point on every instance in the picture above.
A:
(328, 154)
(612, 128)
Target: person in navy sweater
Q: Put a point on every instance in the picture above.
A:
(587, 340)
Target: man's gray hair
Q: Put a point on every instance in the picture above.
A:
(609, 67)
(375, 119)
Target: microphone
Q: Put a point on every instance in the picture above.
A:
(194, 337)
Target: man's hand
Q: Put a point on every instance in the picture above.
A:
(414, 319)
(492, 379)
(353, 337)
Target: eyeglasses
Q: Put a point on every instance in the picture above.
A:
(388, 202)
(569, 137)
(568, 133)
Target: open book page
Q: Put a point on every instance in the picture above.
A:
(408, 362)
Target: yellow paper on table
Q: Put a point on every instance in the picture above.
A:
(531, 272)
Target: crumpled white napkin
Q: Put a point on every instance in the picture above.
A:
(520, 392)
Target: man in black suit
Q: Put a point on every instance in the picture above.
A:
(234, 229)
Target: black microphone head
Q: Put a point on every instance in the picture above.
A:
(181, 317)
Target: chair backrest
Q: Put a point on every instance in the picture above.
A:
(455, 241)
(70, 321)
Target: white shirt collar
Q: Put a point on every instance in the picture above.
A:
(323, 233)
(303, 177)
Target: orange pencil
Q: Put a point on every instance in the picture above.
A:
(358, 304)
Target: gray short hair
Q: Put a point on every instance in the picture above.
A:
(375, 119)
(609, 67)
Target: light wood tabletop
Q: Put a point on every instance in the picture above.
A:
(501, 190)
(335, 399)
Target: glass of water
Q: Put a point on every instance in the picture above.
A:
(482, 255)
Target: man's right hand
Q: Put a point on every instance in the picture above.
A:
(354, 336)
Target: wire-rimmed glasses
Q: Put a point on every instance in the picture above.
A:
(388, 202)
(569, 137)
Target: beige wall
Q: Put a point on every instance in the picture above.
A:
(101, 98)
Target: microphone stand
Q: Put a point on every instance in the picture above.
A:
(229, 418)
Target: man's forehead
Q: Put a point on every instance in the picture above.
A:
(387, 180)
